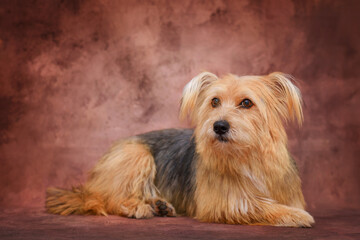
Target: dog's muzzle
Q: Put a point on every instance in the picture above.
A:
(221, 128)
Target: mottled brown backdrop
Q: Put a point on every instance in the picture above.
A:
(77, 75)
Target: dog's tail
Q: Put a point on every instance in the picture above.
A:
(78, 200)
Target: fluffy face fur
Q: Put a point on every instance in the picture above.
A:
(234, 167)
(275, 100)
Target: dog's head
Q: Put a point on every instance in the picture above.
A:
(242, 111)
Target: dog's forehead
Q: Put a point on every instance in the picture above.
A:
(232, 84)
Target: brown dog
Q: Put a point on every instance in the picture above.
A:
(234, 167)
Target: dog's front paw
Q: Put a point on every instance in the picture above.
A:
(296, 218)
(162, 208)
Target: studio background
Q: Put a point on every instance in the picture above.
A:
(78, 75)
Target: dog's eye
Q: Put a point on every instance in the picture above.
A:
(215, 102)
(246, 103)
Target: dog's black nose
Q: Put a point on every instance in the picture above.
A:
(221, 127)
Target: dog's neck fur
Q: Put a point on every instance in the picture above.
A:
(258, 170)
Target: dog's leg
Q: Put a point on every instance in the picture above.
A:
(259, 211)
(268, 212)
(125, 178)
(243, 207)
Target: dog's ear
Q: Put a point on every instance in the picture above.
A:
(285, 96)
(192, 91)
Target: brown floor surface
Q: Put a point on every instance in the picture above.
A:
(36, 224)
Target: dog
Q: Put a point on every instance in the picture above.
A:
(234, 167)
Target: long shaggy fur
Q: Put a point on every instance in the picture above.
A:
(250, 178)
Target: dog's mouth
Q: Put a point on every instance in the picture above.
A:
(222, 138)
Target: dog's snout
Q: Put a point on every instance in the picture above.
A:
(221, 127)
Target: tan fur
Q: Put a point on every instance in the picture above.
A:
(122, 183)
(248, 180)
(75, 201)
